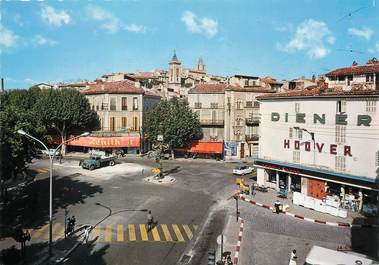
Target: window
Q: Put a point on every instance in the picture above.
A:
(124, 103)
(249, 104)
(214, 105)
(124, 122)
(238, 104)
(97, 107)
(112, 124)
(340, 134)
(135, 124)
(370, 105)
(290, 133)
(135, 103)
(297, 107)
(197, 105)
(256, 104)
(101, 124)
(340, 163)
(214, 115)
(246, 82)
(341, 78)
(369, 77)
(298, 134)
(113, 104)
(341, 106)
(296, 156)
(255, 130)
(377, 158)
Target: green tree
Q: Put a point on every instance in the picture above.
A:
(16, 112)
(175, 121)
(66, 111)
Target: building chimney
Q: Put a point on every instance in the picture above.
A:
(354, 64)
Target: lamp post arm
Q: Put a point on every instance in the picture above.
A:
(39, 141)
(64, 142)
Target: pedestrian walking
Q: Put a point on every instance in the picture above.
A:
(293, 258)
(277, 206)
(150, 221)
(87, 232)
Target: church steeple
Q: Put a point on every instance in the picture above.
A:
(175, 70)
(174, 58)
(200, 65)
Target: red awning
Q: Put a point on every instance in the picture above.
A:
(106, 142)
(206, 147)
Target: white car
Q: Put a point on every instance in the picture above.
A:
(242, 170)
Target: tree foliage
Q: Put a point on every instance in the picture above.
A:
(66, 111)
(175, 121)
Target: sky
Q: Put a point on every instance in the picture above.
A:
(55, 41)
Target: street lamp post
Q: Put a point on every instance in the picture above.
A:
(51, 157)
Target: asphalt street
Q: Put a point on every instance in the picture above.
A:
(190, 214)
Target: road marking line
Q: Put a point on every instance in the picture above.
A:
(143, 231)
(156, 234)
(108, 233)
(178, 233)
(132, 232)
(120, 232)
(166, 233)
(188, 231)
(38, 232)
(95, 232)
(59, 233)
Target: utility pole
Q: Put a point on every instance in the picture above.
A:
(237, 211)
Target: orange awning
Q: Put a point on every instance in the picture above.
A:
(206, 147)
(103, 142)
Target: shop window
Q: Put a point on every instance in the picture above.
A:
(296, 156)
(340, 163)
(340, 134)
(124, 105)
(371, 105)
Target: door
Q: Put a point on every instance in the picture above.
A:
(242, 151)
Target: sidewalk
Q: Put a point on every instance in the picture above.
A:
(268, 199)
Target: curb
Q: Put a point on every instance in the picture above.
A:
(238, 247)
(342, 225)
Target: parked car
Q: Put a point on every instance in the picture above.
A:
(97, 162)
(242, 170)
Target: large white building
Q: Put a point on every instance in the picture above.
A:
(321, 142)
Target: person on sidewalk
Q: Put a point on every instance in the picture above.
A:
(87, 232)
(277, 206)
(293, 258)
(150, 221)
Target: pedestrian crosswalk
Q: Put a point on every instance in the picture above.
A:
(126, 233)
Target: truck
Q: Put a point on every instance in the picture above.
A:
(97, 162)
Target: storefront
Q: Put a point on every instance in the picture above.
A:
(205, 149)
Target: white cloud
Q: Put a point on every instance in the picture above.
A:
(206, 26)
(41, 40)
(364, 32)
(54, 17)
(310, 36)
(134, 28)
(7, 38)
(110, 22)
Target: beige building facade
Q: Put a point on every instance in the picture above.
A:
(229, 114)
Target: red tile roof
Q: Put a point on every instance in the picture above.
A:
(120, 87)
(358, 69)
(208, 89)
(271, 81)
(259, 89)
(319, 92)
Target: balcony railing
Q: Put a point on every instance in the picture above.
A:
(251, 137)
(212, 122)
(252, 120)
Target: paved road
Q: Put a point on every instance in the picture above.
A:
(181, 210)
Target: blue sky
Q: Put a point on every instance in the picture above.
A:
(54, 41)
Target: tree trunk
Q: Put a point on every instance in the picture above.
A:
(172, 154)
(63, 149)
